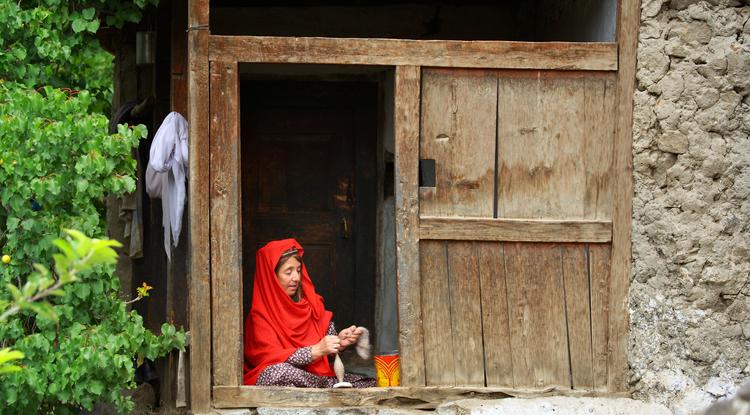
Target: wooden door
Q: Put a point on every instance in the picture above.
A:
(515, 235)
(301, 179)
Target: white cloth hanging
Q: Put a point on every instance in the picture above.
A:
(166, 172)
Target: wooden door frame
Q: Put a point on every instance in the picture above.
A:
(214, 226)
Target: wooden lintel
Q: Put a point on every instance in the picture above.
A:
(436, 53)
(401, 397)
(514, 230)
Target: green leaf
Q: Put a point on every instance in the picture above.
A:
(96, 387)
(44, 310)
(28, 224)
(19, 52)
(14, 292)
(79, 25)
(82, 291)
(65, 247)
(12, 223)
(7, 355)
(88, 13)
(93, 26)
(9, 369)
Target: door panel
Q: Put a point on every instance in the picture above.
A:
(509, 145)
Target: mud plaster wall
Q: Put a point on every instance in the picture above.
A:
(690, 292)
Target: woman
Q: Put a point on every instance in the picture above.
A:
(290, 339)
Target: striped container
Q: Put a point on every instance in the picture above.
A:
(387, 370)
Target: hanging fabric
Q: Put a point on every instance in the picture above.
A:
(127, 210)
(166, 173)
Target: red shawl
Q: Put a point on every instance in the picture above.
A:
(277, 326)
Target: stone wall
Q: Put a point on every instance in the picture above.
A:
(690, 292)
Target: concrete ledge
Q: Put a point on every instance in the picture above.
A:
(558, 405)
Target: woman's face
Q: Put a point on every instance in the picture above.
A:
(289, 275)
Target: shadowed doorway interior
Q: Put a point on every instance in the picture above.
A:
(308, 172)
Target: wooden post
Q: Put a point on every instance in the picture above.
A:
(627, 38)
(198, 214)
(406, 119)
(226, 227)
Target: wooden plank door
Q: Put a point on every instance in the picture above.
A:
(515, 235)
(300, 180)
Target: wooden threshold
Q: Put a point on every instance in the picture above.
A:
(436, 53)
(514, 230)
(428, 397)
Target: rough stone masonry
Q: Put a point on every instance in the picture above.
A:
(690, 291)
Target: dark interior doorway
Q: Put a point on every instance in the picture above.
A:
(308, 172)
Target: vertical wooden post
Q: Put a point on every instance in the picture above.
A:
(226, 227)
(406, 120)
(627, 39)
(198, 210)
(178, 66)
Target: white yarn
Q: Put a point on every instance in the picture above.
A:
(363, 344)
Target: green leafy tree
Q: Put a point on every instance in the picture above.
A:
(57, 163)
(77, 254)
(52, 43)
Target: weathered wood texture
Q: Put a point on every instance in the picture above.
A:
(466, 313)
(578, 315)
(514, 230)
(425, 397)
(435, 53)
(198, 210)
(458, 132)
(600, 257)
(439, 362)
(627, 37)
(178, 58)
(498, 366)
(543, 173)
(226, 232)
(539, 342)
(406, 127)
(555, 135)
(521, 315)
(198, 15)
(518, 144)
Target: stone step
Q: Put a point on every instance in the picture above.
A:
(557, 405)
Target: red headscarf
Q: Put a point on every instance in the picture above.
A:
(277, 326)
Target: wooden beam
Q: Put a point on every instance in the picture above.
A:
(428, 397)
(198, 14)
(406, 121)
(199, 253)
(627, 37)
(439, 53)
(514, 230)
(226, 225)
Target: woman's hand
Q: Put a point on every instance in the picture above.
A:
(327, 345)
(349, 336)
